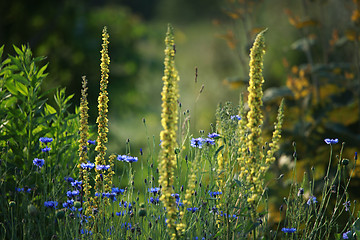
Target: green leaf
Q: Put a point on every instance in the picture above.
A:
(22, 89)
(218, 150)
(49, 109)
(21, 79)
(1, 51)
(40, 73)
(18, 51)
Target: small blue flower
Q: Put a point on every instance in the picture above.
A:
(209, 141)
(126, 158)
(45, 140)
(175, 195)
(19, 189)
(154, 200)
(192, 210)
(46, 149)
(196, 142)
(235, 117)
(87, 165)
(117, 191)
(72, 194)
(38, 162)
(69, 179)
(68, 203)
(51, 204)
(311, 200)
(214, 194)
(331, 141)
(76, 184)
(91, 142)
(346, 235)
(154, 190)
(347, 205)
(213, 135)
(102, 167)
(288, 230)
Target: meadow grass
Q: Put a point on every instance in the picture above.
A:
(59, 182)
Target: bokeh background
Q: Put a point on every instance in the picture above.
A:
(312, 61)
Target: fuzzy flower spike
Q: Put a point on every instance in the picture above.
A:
(169, 119)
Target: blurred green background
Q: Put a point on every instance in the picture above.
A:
(312, 61)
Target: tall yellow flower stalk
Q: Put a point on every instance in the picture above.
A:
(83, 144)
(169, 120)
(101, 178)
(254, 116)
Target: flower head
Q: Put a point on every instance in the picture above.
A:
(46, 149)
(346, 235)
(87, 165)
(91, 142)
(45, 140)
(192, 210)
(288, 230)
(154, 190)
(38, 162)
(51, 204)
(331, 141)
(126, 158)
(311, 200)
(347, 205)
(213, 135)
(102, 167)
(209, 141)
(197, 142)
(214, 194)
(235, 117)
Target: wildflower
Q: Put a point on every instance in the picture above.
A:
(38, 162)
(288, 230)
(355, 157)
(45, 140)
(300, 192)
(72, 194)
(214, 194)
(175, 195)
(235, 117)
(46, 149)
(19, 189)
(91, 142)
(126, 158)
(196, 142)
(154, 190)
(331, 141)
(347, 205)
(346, 235)
(102, 167)
(311, 200)
(117, 190)
(69, 179)
(213, 135)
(192, 210)
(87, 165)
(68, 203)
(209, 141)
(154, 200)
(51, 204)
(76, 184)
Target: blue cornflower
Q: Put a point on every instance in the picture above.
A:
(126, 158)
(347, 205)
(346, 235)
(38, 162)
(85, 231)
(87, 165)
(76, 184)
(46, 149)
(91, 142)
(235, 117)
(19, 189)
(72, 194)
(45, 140)
(209, 141)
(213, 135)
(194, 209)
(68, 203)
(117, 191)
(51, 204)
(175, 195)
(311, 200)
(154, 190)
(288, 230)
(196, 142)
(214, 194)
(69, 179)
(331, 141)
(102, 167)
(154, 200)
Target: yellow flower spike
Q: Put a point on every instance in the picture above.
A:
(102, 121)
(274, 145)
(169, 119)
(254, 116)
